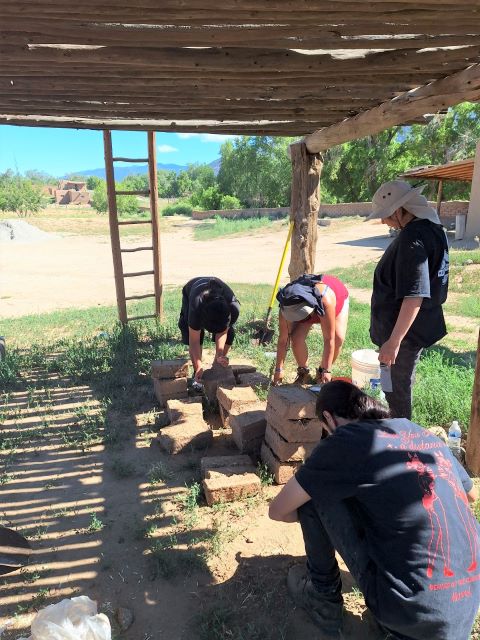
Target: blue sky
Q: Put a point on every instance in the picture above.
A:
(62, 151)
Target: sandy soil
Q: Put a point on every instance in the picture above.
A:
(76, 271)
(222, 574)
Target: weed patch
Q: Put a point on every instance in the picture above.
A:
(227, 227)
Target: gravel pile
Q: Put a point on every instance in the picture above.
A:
(21, 231)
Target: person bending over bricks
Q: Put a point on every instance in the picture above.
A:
(392, 500)
(306, 301)
(208, 304)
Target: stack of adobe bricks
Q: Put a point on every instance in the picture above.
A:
(242, 411)
(187, 429)
(170, 379)
(292, 430)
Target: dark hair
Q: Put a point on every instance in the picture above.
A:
(215, 310)
(213, 290)
(345, 400)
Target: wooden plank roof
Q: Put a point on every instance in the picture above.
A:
(284, 67)
(461, 170)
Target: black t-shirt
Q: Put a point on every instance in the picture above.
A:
(414, 265)
(195, 290)
(422, 538)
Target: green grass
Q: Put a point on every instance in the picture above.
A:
(95, 349)
(227, 227)
(359, 276)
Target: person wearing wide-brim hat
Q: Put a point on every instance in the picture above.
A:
(410, 285)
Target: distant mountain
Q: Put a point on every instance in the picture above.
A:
(122, 171)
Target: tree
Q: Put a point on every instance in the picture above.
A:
(19, 195)
(93, 182)
(208, 199)
(353, 171)
(40, 177)
(256, 170)
(126, 205)
(135, 182)
(99, 198)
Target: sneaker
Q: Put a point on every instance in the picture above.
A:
(303, 376)
(325, 611)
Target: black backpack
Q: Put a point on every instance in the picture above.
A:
(302, 290)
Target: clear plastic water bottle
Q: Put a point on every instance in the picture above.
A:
(455, 438)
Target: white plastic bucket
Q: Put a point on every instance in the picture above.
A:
(365, 368)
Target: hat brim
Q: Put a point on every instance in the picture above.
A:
(382, 213)
(296, 312)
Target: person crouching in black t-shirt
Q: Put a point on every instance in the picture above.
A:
(410, 285)
(393, 501)
(208, 304)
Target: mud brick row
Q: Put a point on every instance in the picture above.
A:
(228, 478)
(292, 430)
(188, 430)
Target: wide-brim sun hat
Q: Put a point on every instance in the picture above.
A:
(296, 312)
(398, 193)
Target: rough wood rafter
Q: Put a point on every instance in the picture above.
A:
(459, 87)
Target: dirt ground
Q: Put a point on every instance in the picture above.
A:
(76, 271)
(93, 517)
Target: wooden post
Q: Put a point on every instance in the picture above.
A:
(114, 229)
(473, 436)
(157, 250)
(305, 201)
(439, 196)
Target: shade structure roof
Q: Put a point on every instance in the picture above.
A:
(281, 67)
(461, 170)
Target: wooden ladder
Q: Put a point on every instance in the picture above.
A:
(115, 224)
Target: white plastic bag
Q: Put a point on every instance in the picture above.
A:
(71, 619)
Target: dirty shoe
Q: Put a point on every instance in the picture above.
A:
(325, 611)
(303, 376)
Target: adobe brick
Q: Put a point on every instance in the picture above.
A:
(254, 379)
(295, 430)
(281, 471)
(248, 427)
(181, 410)
(238, 462)
(287, 451)
(292, 402)
(239, 369)
(214, 377)
(170, 389)
(226, 484)
(166, 369)
(236, 397)
(186, 436)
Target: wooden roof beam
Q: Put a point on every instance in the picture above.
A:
(439, 94)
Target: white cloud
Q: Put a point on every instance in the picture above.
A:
(166, 148)
(207, 137)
